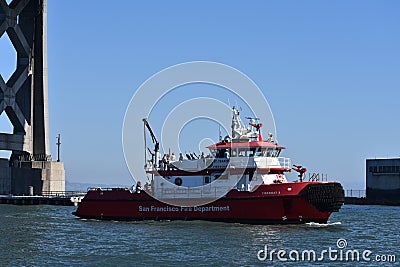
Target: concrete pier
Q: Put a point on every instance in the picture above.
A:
(36, 200)
(58, 198)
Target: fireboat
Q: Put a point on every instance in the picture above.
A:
(241, 180)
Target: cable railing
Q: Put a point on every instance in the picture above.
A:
(355, 193)
(235, 162)
(192, 192)
(65, 194)
(284, 162)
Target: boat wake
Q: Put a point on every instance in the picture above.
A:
(314, 224)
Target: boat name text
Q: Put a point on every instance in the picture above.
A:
(183, 209)
(272, 193)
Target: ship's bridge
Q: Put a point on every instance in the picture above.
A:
(253, 154)
(240, 148)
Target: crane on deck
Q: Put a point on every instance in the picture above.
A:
(154, 139)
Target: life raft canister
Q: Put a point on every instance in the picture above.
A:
(178, 181)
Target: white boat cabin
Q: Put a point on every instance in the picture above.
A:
(242, 161)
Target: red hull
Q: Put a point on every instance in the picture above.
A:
(276, 203)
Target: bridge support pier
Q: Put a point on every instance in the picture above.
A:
(24, 99)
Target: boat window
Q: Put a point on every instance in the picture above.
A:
(273, 152)
(258, 152)
(254, 151)
(207, 180)
(222, 153)
(234, 152)
(248, 152)
(263, 152)
(227, 153)
(213, 152)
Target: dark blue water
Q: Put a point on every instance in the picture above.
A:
(51, 236)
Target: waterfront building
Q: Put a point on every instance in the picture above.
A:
(383, 180)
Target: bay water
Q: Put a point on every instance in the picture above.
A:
(51, 236)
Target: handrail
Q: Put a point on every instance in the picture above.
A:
(284, 162)
(190, 192)
(249, 162)
(63, 193)
(355, 193)
(107, 188)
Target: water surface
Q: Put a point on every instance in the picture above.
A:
(52, 236)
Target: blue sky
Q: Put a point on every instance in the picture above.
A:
(330, 71)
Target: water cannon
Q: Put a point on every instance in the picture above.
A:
(256, 125)
(300, 170)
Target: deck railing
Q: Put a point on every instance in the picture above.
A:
(284, 162)
(355, 193)
(63, 193)
(192, 192)
(238, 162)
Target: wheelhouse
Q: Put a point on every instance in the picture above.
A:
(225, 149)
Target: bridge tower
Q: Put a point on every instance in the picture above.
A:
(24, 99)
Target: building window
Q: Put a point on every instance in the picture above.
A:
(384, 169)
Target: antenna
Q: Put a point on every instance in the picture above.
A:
(237, 106)
(219, 131)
